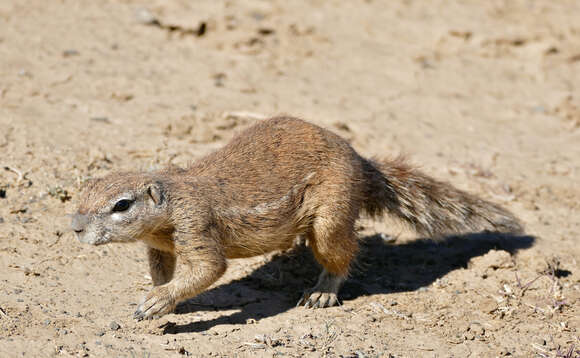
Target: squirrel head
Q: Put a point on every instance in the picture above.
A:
(120, 207)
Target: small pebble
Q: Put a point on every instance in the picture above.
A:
(100, 333)
(46, 322)
(114, 326)
(101, 119)
(477, 329)
(70, 52)
(145, 17)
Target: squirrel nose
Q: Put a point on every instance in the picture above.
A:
(79, 222)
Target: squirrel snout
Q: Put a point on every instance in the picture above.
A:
(79, 222)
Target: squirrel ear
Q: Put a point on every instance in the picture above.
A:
(154, 192)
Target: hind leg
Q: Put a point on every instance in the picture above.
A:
(335, 245)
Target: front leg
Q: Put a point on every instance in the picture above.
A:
(201, 263)
(161, 266)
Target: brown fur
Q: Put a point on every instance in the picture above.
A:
(281, 178)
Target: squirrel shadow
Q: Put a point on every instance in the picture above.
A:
(381, 268)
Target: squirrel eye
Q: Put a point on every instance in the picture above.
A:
(122, 205)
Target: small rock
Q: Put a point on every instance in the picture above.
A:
(70, 53)
(46, 322)
(477, 329)
(1, 220)
(359, 354)
(59, 193)
(145, 17)
(469, 336)
(2, 193)
(101, 119)
(114, 326)
(100, 333)
(261, 338)
(540, 341)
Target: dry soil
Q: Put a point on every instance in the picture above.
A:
(484, 94)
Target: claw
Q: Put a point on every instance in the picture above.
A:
(154, 305)
(324, 293)
(318, 300)
(300, 301)
(323, 301)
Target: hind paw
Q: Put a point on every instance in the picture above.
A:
(318, 300)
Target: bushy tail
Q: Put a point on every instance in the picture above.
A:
(429, 206)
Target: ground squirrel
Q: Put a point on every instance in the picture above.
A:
(279, 179)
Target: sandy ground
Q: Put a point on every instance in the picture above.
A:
(485, 94)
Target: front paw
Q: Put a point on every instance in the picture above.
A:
(157, 303)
